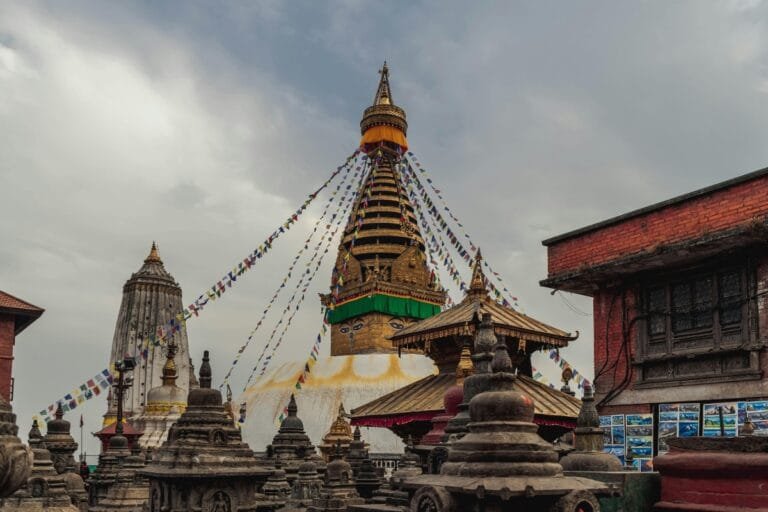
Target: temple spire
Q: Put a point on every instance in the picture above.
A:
(383, 93)
(154, 256)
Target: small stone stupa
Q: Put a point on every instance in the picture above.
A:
(292, 446)
(306, 487)
(45, 488)
(62, 447)
(357, 451)
(338, 491)
(204, 464)
(340, 433)
(15, 458)
(105, 475)
(589, 454)
(501, 463)
(130, 491)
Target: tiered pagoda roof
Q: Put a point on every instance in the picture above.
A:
(441, 337)
(462, 320)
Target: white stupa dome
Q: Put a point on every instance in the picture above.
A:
(352, 380)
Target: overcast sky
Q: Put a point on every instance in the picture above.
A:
(202, 125)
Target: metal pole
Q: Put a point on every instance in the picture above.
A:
(722, 425)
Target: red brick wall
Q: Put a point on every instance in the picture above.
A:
(613, 313)
(6, 354)
(719, 210)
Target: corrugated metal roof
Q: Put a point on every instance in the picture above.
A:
(460, 320)
(426, 395)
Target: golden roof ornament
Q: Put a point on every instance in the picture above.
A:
(477, 287)
(154, 256)
(465, 368)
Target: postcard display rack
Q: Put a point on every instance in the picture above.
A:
(636, 432)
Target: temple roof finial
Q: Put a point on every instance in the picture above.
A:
(154, 256)
(383, 93)
(477, 284)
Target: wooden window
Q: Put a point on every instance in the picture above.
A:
(694, 312)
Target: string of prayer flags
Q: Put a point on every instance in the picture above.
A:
(305, 280)
(175, 324)
(411, 161)
(274, 298)
(91, 388)
(308, 365)
(555, 356)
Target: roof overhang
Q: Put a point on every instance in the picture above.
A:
(586, 280)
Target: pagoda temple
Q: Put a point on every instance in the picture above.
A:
(151, 299)
(411, 409)
(380, 284)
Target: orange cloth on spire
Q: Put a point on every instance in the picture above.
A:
(384, 133)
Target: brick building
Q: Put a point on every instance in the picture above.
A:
(15, 316)
(680, 298)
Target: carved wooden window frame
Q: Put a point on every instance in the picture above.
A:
(701, 339)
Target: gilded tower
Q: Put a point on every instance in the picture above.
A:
(381, 281)
(151, 298)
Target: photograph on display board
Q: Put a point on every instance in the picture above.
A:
(614, 444)
(711, 420)
(677, 420)
(757, 412)
(639, 439)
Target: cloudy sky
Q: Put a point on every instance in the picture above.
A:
(202, 125)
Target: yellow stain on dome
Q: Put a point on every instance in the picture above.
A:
(323, 374)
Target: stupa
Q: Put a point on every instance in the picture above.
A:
(380, 284)
(15, 458)
(291, 446)
(340, 433)
(105, 475)
(130, 491)
(204, 464)
(589, 454)
(338, 491)
(501, 463)
(62, 446)
(306, 487)
(164, 406)
(45, 489)
(151, 299)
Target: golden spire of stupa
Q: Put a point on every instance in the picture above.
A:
(383, 94)
(154, 256)
(169, 369)
(384, 121)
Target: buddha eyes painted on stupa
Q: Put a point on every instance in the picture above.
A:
(398, 323)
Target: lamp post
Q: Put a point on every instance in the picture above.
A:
(124, 381)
